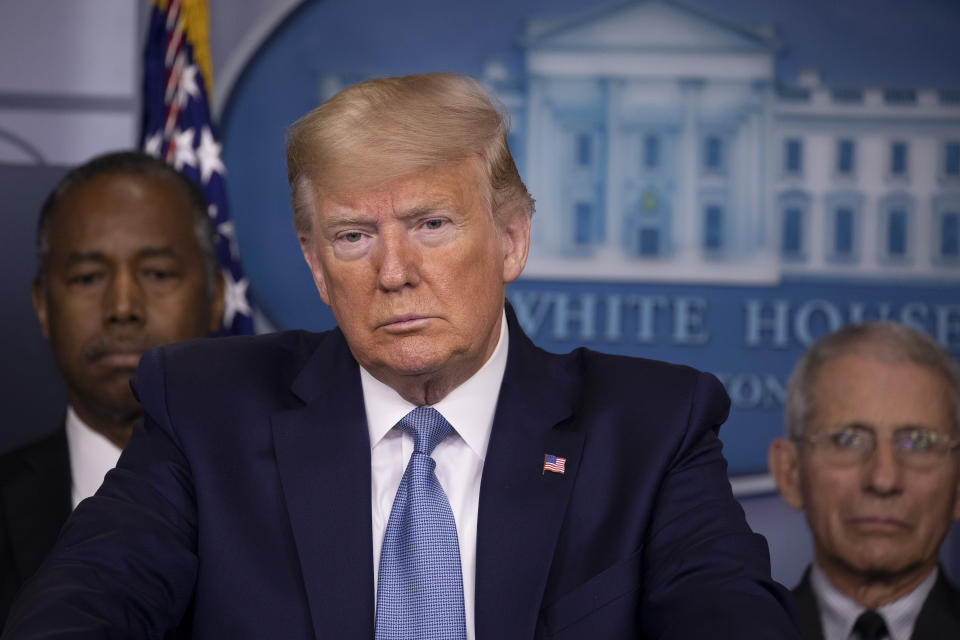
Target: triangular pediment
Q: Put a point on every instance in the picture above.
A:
(661, 25)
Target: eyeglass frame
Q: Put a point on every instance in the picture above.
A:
(899, 436)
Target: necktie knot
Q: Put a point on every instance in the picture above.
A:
(428, 428)
(870, 626)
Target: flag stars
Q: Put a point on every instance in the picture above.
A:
(183, 154)
(187, 87)
(208, 154)
(235, 298)
(179, 130)
(226, 231)
(154, 144)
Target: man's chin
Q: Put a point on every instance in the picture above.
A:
(411, 356)
(424, 368)
(884, 563)
(116, 405)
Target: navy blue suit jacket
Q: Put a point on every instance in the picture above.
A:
(243, 502)
(35, 501)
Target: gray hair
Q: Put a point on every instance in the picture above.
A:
(129, 163)
(887, 341)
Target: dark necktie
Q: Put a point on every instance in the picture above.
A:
(420, 587)
(870, 626)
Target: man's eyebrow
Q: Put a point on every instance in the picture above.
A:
(425, 208)
(914, 426)
(76, 257)
(157, 252)
(351, 219)
(347, 220)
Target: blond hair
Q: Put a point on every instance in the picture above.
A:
(387, 128)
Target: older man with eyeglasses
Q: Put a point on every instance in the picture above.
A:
(873, 418)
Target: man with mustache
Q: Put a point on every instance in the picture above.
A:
(423, 470)
(871, 456)
(126, 262)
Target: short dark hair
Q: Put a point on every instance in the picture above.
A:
(129, 163)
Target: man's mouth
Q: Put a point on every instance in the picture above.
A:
(116, 353)
(121, 360)
(879, 524)
(405, 322)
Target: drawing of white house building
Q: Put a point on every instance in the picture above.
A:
(659, 146)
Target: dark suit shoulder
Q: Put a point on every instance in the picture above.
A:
(656, 374)
(264, 364)
(597, 370)
(631, 384)
(34, 503)
(222, 356)
(206, 388)
(662, 392)
(940, 615)
(39, 455)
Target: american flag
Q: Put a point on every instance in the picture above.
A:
(553, 463)
(177, 127)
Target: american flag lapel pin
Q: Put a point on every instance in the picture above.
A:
(554, 464)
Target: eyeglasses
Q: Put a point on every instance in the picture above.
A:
(915, 447)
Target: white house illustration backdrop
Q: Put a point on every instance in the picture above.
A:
(660, 147)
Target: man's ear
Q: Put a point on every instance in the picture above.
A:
(784, 465)
(39, 298)
(514, 231)
(313, 262)
(217, 302)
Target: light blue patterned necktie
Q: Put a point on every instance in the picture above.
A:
(420, 587)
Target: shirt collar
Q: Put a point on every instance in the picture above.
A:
(839, 612)
(469, 408)
(91, 455)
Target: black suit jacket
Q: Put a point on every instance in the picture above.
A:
(34, 503)
(939, 618)
(245, 497)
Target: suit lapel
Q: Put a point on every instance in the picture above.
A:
(938, 618)
(940, 615)
(323, 456)
(37, 500)
(809, 613)
(522, 507)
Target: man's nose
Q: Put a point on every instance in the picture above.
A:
(124, 301)
(399, 261)
(883, 471)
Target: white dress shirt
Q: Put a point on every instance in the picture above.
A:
(838, 613)
(469, 409)
(91, 455)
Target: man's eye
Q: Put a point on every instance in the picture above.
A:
(352, 237)
(919, 440)
(848, 439)
(84, 279)
(159, 275)
(433, 224)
